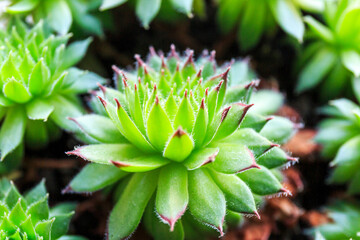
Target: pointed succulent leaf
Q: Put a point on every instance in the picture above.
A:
(75, 52)
(200, 125)
(22, 6)
(94, 177)
(288, 17)
(255, 121)
(275, 157)
(185, 115)
(36, 194)
(159, 230)
(146, 10)
(261, 181)
(183, 6)
(200, 158)
(172, 194)
(266, 102)
(238, 195)
(105, 153)
(64, 108)
(252, 140)
(107, 4)
(58, 15)
(128, 210)
(38, 78)
(179, 146)
(60, 225)
(348, 153)
(28, 228)
(43, 228)
(141, 164)
(233, 158)
(130, 130)
(278, 129)
(206, 200)
(100, 128)
(17, 214)
(159, 127)
(230, 120)
(16, 92)
(39, 109)
(39, 210)
(12, 131)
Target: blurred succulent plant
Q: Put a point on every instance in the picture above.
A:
(339, 136)
(332, 54)
(178, 132)
(345, 218)
(147, 10)
(60, 15)
(29, 217)
(39, 86)
(259, 17)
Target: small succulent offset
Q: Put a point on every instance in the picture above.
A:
(38, 86)
(29, 217)
(177, 140)
(345, 219)
(340, 138)
(60, 15)
(147, 10)
(333, 54)
(255, 18)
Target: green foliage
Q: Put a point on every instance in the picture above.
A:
(345, 225)
(332, 55)
(175, 134)
(259, 17)
(147, 10)
(340, 138)
(29, 217)
(39, 86)
(60, 15)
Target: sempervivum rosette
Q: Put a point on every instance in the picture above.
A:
(339, 136)
(176, 139)
(29, 217)
(39, 87)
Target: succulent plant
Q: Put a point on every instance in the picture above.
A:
(257, 18)
(177, 138)
(344, 224)
(147, 10)
(60, 15)
(29, 217)
(332, 55)
(340, 138)
(39, 86)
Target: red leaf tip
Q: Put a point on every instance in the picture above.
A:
(119, 164)
(139, 60)
(156, 100)
(202, 105)
(118, 105)
(185, 93)
(152, 51)
(224, 113)
(104, 103)
(198, 75)
(217, 88)
(179, 132)
(102, 88)
(67, 189)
